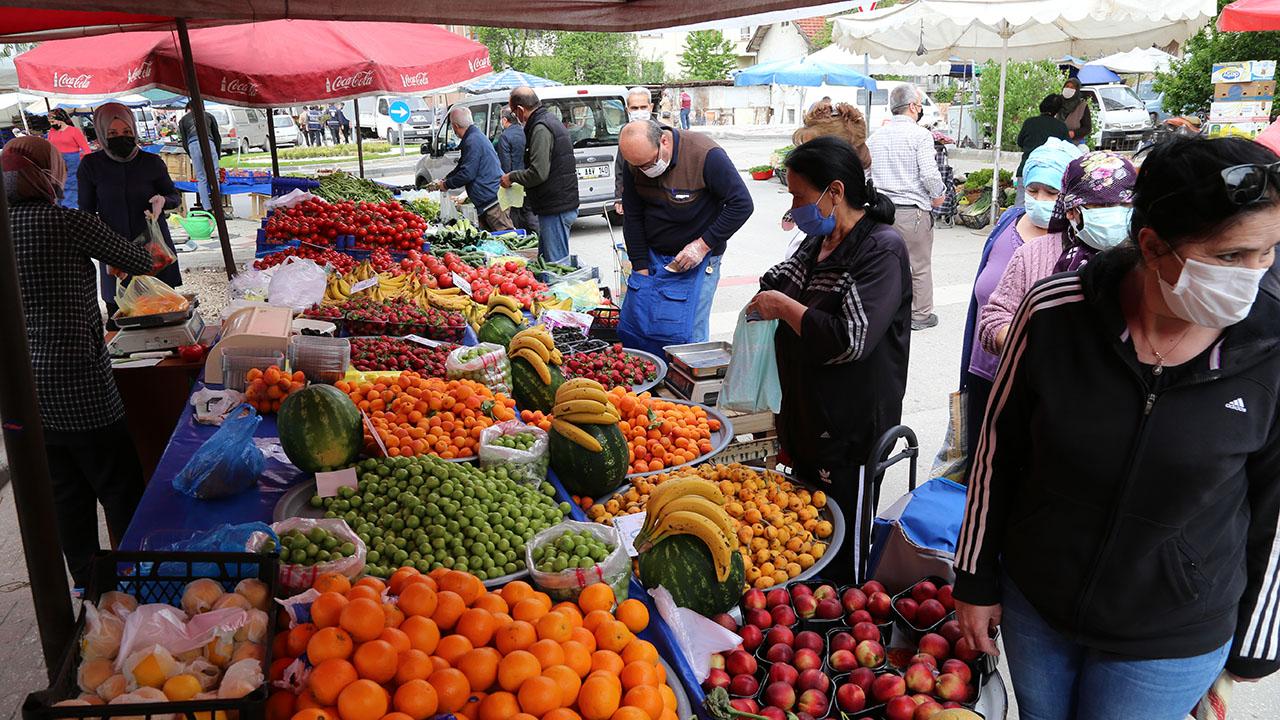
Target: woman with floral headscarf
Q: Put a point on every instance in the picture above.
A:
(1091, 214)
(69, 141)
(122, 183)
(90, 452)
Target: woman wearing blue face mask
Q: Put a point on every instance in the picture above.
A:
(1123, 507)
(843, 302)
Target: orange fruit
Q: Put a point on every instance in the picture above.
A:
(330, 678)
(392, 615)
(452, 689)
(515, 635)
(498, 706)
(626, 712)
(471, 710)
(515, 591)
(299, 636)
(449, 607)
(476, 625)
(662, 672)
(332, 582)
(563, 713)
(599, 698)
(396, 716)
(413, 665)
(467, 586)
(529, 609)
(633, 614)
(608, 661)
(331, 642)
(423, 633)
(376, 660)
(400, 578)
(548, 652)
(314, 714)
(584, 637)
(371, 582)
(517, 667)
(280, 644)
(647, 698)
(639, 673)
(417, 599)
(577, 657)
(416, 698)
(306, 700)
(452, 647)
(570, 612)
(281, 705)
(480, 666)
(568, 680)
(639, 649)
(362, 700)
(539, 695)
(366, 592)
(669, 715)
(669, 702)
(492, 602)
(594, 618)
(396, 639)
(326, 609)
(523, 716)
(596, 597)
(554, 626)
(277, 668)
(613, 636)
(363, 618)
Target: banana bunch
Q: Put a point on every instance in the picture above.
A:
(451, 299)
(537, 348)
(336, 290)
(504, 305)
(690, 506)
(582, 401)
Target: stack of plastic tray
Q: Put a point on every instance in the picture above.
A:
(236, 362)
(321, 359)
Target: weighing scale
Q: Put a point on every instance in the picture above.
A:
(265, 328)
(162, 337)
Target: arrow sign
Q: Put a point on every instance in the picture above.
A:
(399, 111)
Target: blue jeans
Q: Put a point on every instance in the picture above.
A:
(706, 294)
(202, 181)
(684, 118)
(1056, 679)
(553, 238)
(71, 188)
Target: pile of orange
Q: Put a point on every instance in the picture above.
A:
(413, 415)
(265, 390)
(661, 433)
(536, 418)
(441, 643)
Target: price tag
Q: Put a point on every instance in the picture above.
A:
(364, 285)
(423, 341)
(462, 284)
(628, 527)
(368, 426)
(328, 483)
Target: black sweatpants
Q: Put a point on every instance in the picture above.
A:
(87, 468)
(838, 471)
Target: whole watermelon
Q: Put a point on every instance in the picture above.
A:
(682, 564)
(528, 389)
(320, 428)
(498, 329)
(587, 473)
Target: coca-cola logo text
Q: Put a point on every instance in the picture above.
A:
(363, 78)
(141, 72)
(238, 86)
(478, 63)
(67, 80)
(414, 80)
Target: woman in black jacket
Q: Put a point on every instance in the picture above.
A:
(844, 305)
(1123, 501)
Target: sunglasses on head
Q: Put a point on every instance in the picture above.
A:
(1247, 184)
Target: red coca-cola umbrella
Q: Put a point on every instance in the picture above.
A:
(1250, 16)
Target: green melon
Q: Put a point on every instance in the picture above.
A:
(682, 564)
(498, 329)
(528, 389)
(587, 473)
(320, 428)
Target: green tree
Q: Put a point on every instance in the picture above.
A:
(510, 48)
(596, 57)
(1186, 86)
(707, 56)
(14, 49)
(652, 72)
(1025, 87)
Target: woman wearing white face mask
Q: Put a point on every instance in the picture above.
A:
(1121, 525)
(1075, 112)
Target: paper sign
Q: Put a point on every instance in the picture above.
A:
(628, 526)
(327, 483)
(462, 284)
(364, 285)
(368, 426)
(423, 341)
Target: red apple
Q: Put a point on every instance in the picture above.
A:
(900, 708)
(959, 668)
(888, 686)
(801, 591)
(717, 661)
(935, 645)
(873, 586)
(814, 702)
(853, 599)
(744, 685)
(866, 631)
(842, 660)
(806, 659)
(780, 635)
(951, 687)
(776, 597)
(754, 599)
(717, 678)
(879, 605)
(779, 653)
(806, 606)
(808, 639)
(951, 631)
(824, 591)
(726, 621)
(863, 678)
(759, 618)
(850, 697)
(746, 705)
(858, 616)
(919, 678)
(870, 654)
(898, 657)
(965, 651)
(907, 608)
(930, 613)
(924, 658)
(842, 641)
(814, 679)
(951, 705)
(740, 662)
(783, 673)
(752, 636)
(780, 695)
(924, 590)
(945, 597)
(783, 615)
(829, 609)
(926, 710)
(773, 713)
(804, 716)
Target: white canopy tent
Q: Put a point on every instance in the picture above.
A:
(1136, 62)
(1003, 30)
(879, 65)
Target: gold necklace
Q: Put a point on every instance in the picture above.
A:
(1159, 368)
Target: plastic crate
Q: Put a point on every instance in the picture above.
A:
(605, 325)
(160, 577)
(321, 359)
(236, 362)
(284, 185)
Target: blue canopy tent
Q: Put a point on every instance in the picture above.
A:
(1091, 74)
(803, 71)
(506, 80)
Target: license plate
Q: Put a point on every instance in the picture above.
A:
(593, 172)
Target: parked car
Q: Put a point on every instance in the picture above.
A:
(857, 97)
(241, 128)
(1153, 100)
(1120, 115)
(285, 127)
(593, 114)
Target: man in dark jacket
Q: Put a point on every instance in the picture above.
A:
(550, 178)
(191, 141)
(510, 147)
(1037, 130)
(478, 170)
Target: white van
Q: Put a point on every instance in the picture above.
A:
(148, 127)
(857, 97)
(1120, 114)
(286, 129)
(375, 118)
(241, 128)
(593, 114)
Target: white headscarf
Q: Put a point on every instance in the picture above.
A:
(106, 114)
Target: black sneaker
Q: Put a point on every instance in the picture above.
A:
(926, 323)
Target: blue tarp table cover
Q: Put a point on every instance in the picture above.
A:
(227, 188)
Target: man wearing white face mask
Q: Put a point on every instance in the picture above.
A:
(1132, 445)
(639, 107)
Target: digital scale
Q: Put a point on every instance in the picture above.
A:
(696, 371)
(132, 340)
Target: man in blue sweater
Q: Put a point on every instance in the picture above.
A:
(682, 199)
(478, 170)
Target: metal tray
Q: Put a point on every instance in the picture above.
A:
(701, 360)
(683, 708)
(720, 439)
(159, 319)
(661, 372)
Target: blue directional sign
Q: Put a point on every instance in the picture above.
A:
(399, 111)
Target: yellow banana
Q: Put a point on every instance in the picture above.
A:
(576, 434)
(683, 522)
(540, 367)
(581, 418)
(579, 383)
(668, 491)
(499, 300)
(704, 507)
(520, 343)
(556, 357)
(586, 406)
(582, 393)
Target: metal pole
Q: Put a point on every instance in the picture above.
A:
(29, 466)
(355, 109)
(202, 131)
(1004, 71)
(866, 70)
(271, 141)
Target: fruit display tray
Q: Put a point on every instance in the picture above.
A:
(720, 439)
(657, 361)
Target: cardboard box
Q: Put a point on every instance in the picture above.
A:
(1248, 130)
(1243, 71)
(1253, 90)
(1234, 112)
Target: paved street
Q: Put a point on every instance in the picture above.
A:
(933, 374)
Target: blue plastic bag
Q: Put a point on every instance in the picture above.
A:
(245, 537)
(228, 463)
(751, 383)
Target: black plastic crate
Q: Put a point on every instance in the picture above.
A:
(160, 577)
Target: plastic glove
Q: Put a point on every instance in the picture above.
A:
(157, 206)
(690, 256)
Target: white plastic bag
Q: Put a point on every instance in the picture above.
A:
(751, 383)
(297, 284)
(525, 466)
(297, 196)
(699, 637)
(615, 569)
(102, 633)
(168, 627)
(296, 578)
(491, 368)
(250, 284)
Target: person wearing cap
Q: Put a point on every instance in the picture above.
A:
(90, 453)
(1042, 173)
(70, 142)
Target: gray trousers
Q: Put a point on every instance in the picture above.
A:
(916, 227)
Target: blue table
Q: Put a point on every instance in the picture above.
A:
(227, 188)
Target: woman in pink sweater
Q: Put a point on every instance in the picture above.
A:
(67, 139)
(1091, 214)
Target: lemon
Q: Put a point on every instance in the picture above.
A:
(181, 687)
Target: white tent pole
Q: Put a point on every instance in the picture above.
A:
(1004, 72)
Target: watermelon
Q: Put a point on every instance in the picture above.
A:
(529, 391)
(320, 428)
(498, 329)
(682, 564)
(587, 473)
